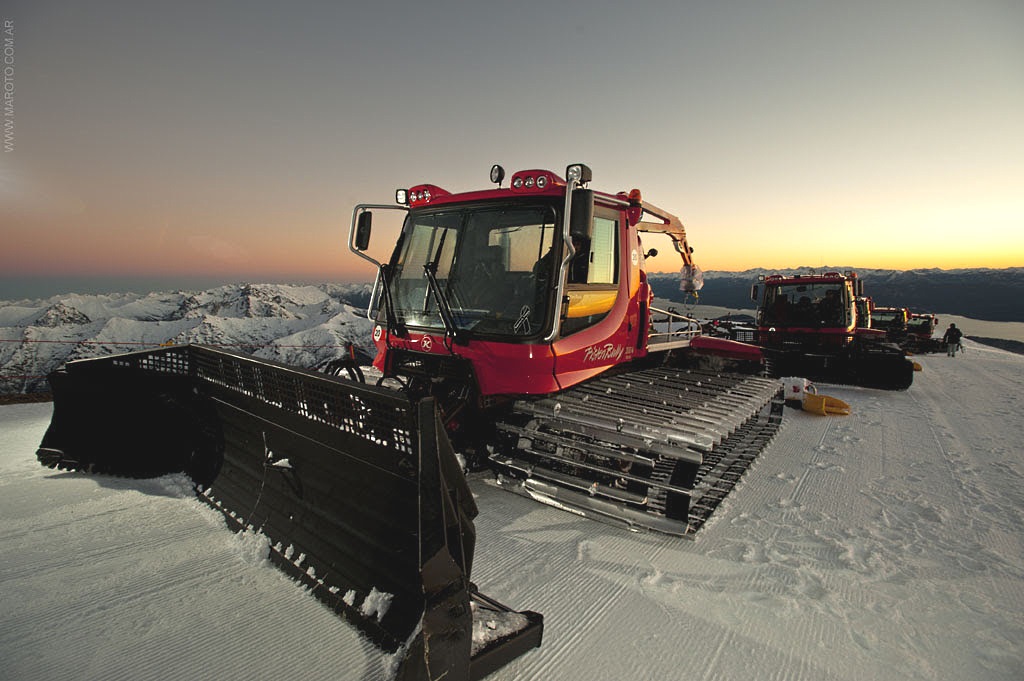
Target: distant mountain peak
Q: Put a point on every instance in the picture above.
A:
(305, 326)
(60, 314)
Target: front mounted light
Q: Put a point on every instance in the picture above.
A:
(579, 173)
(402, 196)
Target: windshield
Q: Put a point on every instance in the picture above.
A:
(489, 263)
(810, 304)
(920, 325)
(886, 316)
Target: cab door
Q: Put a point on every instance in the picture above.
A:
(594, 326)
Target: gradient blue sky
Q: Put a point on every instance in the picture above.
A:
(231, 139)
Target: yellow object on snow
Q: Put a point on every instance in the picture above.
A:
(825, 405)
(917, 367)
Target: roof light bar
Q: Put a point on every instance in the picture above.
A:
(422, 193)
(535, 180)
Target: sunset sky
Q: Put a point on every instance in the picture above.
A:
(230, 140)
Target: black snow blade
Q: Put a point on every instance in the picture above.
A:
(357, 488)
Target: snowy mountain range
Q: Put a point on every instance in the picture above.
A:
(299, 325)
(310, 325)
(980, 293)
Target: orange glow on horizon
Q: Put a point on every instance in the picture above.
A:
(281, 245)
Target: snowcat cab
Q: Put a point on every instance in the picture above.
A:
(525, 290)
(808, 324)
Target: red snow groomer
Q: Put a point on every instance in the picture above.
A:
(920, 330)
(808, 326)
(513, 322)
(525, 312)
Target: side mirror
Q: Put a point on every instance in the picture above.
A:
(363, 230)
(582, 214)
(753, 293)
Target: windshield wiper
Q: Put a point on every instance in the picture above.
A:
(444, 309)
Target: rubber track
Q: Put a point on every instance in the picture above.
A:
(706, 427)
(726, 464)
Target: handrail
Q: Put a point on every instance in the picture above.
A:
(681, 336)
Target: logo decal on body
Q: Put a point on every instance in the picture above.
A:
(426, 343)
(603, 353)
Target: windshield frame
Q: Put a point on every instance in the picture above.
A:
(806, 304)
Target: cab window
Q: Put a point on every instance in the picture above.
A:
(593, 278)
(603, 256)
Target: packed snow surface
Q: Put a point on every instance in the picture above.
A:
(888, 544)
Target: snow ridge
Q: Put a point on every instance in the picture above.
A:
(304, 326)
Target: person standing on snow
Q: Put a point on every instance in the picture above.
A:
(952, 340)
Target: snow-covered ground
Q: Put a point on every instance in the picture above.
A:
(888, 544)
